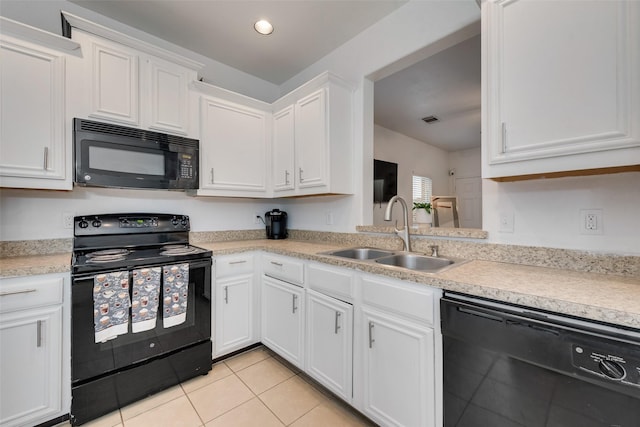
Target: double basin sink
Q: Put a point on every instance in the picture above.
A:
(405, 260)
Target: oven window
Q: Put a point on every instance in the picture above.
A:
(126, 161)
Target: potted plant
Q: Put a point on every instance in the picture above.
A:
(423, 212)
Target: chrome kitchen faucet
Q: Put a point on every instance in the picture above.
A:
(404, 233)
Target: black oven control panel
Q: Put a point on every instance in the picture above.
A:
(93, 225)
(138, 222)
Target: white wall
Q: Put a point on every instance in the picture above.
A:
(37, 214)
(467, 163)
(547, 212)
(406, 32)
(413, 158)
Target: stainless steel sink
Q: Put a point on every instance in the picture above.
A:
(360, 253)
(397, 259)
(416, 262)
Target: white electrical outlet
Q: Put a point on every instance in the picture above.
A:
(67, 220)
(257, 218)
(591, 221)
(506, 222)
(329, 217)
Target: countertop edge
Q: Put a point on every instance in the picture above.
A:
(311, 251)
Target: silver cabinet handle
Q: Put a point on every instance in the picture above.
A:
(279, 264)
(301, 171)
(23, 291)
(226, 295)
(371, 340)
(286, 177)
(504, 137)
(337, 326)
(295, 298)
(46, 158)
(238, 262)
(39, 334)
(211, 176)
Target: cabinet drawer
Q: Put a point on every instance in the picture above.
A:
(399, 297)
(28, 292)
(330, 281)
(283, 268)
(229, 265)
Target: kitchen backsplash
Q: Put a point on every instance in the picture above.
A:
(527, 255)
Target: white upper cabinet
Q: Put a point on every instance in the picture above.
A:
(168, 86)
(113, 73)
(130, 82)
(32, 96)
(233, 149)
(313, 139)
(283, 150)
(560, 86)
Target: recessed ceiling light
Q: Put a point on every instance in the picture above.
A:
(263, 27)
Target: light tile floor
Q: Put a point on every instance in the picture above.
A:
(250, 389)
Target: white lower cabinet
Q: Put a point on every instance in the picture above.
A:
(32, 354)
(329, 343)
(235, 304)
(283, 319)
(372, 341)
(398, 370)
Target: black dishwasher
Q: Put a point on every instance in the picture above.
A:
(506, 365)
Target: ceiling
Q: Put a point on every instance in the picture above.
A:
(305, 30)
(446, 84)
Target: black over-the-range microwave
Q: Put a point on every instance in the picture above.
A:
(108, 155)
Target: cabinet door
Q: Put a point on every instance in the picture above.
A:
(283, 150)
(234, 313)
(565, 98)
(330, 343)
(233, 148)
(311, 132)
(283, 319)
(399, 371)
(31, 366)
(115, 92)
(169, 96)
(32, 135)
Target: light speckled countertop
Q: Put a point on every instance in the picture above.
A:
(603, 297)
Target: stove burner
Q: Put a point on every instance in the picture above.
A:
(107, 255)
(171, 250)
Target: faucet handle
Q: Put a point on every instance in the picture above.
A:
(434, 250)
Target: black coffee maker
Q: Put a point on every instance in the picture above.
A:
(276, 222)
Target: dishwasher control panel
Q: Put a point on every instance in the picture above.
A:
(606, 364)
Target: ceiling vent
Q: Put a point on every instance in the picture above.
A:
(430, 119)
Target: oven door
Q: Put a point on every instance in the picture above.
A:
(91, 359)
